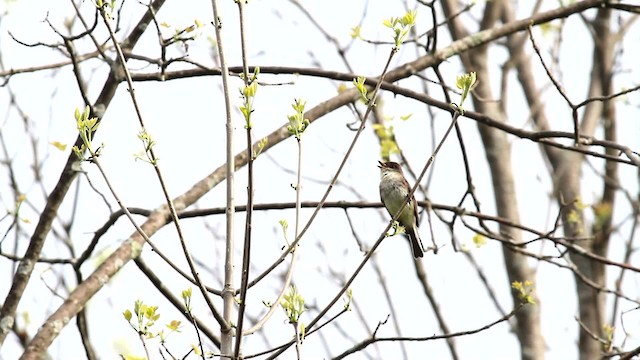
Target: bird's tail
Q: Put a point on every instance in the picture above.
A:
(416, 242)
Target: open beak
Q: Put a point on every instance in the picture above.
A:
(380, 164)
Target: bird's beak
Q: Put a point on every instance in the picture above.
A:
(380, 164)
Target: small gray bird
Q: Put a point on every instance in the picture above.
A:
(394, 189)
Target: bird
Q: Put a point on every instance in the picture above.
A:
(394, 189)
